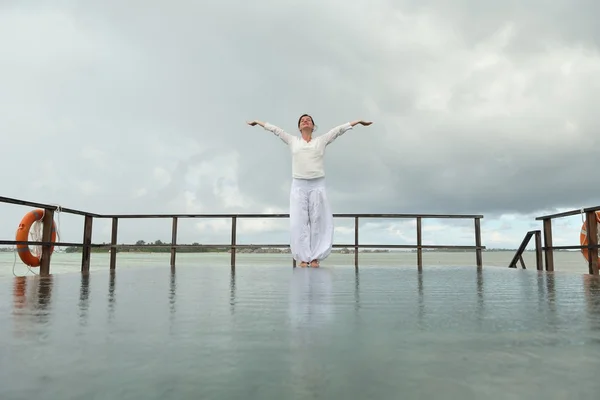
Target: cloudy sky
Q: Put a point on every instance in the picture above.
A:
(140, 107)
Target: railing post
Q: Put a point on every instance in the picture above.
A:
(113, 244)
(233, 239)
(87, 240)
(48, 229)
(549, 253)
(173, 241)
(592, 236)
(539, 264)
(419, 244)
(356, 243)
(478, 257)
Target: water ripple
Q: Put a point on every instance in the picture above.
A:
(210, 332)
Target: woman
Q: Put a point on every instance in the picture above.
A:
(311, 219)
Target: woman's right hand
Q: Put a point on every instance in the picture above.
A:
(255, 122)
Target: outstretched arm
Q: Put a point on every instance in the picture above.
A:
(283, 135)
(361, 122)
(333, 134)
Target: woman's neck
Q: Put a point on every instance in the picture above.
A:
(306, 135)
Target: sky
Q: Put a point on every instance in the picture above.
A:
(478, 107)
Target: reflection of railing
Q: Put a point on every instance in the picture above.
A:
(591, 228)
(87, 244)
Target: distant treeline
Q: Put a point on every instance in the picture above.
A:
(469, 251)
(156, 247)
(466, 250)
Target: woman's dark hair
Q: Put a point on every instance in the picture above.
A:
(305, 115)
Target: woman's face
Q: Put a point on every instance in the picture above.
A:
(306, 122)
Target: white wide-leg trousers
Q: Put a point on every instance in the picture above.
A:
(311, 220)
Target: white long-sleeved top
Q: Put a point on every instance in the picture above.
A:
(307, 157)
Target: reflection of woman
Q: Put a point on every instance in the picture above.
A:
(311, 219)
(311, 316)
(311, 303)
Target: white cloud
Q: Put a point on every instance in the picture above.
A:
(253, 225)
(140, 192)
(95, 155)
(161, 176)
(89, 188)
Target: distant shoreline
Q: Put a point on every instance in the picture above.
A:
(195, 248)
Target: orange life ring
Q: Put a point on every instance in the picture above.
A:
(23, 235)
(583, 238)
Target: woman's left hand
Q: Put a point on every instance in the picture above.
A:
(363, 123)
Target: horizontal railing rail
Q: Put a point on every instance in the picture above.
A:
(390, 216)
(569, 213)
(262, 246)
(9, 200)
(87, 244)
(591, 228)
(48, 243)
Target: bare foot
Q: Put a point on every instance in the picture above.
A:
(314, 264)
(303, 264)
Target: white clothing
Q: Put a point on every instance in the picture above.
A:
(311, 220)
(307, 157)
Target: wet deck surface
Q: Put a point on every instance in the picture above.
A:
(277, 333)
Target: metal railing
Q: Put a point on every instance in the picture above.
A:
(87, 244)
(591, 228)
(538, 251)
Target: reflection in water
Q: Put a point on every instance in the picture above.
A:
(311, 316)
(550, 289)
(232, 291)
(84, 294)
(310, 296)
(19, 303)
(111, 295)
(480, 297)
(44, 296)
(304, 331)
(421, 313)
(356, 290)
(172, 298)
(32, 299)
(426, 301)
(19, 292)
(550, 302)
(541, 291)
(591, 287)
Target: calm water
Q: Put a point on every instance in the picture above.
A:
(11, 265)
(270, 332)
